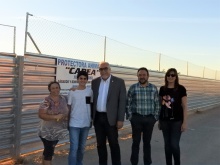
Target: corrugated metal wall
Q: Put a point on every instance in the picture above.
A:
(202, 93)
(24, 83)
(37, 72)
(8, 78)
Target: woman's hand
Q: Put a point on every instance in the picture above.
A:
(183, 127)
(59, 117)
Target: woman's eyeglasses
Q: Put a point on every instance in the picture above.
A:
(172, 75)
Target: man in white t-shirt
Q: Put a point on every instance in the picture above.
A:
(79, 102)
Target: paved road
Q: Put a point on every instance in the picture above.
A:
(200, 144)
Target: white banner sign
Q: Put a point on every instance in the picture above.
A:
(67, 70)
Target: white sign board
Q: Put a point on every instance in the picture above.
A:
(67, 70)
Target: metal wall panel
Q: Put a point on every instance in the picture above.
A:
(202, 93)
(23, 85)
(7, 103)
(38, 71)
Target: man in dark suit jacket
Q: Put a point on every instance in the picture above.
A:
(109, 100)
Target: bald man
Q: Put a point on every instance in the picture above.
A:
(109, 101)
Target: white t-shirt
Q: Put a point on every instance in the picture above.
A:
(80, 115)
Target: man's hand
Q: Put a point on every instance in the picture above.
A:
(119, 124)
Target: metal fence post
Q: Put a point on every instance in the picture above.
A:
(26, 32)
(187, 68)
(14, 44)
(18, 106)
(105, 48)
(159, 61)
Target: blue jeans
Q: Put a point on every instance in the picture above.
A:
(78, 137)
(171, 134)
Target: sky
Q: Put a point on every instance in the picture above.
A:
(188, 30)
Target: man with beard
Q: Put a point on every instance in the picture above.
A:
(142, 110)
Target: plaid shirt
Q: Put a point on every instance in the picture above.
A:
(142, 100)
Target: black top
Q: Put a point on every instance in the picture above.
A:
(171, 103)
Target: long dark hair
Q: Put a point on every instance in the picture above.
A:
(176, 84)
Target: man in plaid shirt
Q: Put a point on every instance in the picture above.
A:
(142, 110)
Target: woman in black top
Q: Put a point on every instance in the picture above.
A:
(173, 115)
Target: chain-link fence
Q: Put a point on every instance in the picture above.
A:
(7, 38)
(48, 37)
(53, 38)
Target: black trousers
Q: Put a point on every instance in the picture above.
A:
(141, 125)
(106, 132)
(49, 147)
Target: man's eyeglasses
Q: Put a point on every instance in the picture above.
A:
(172, 75)
(103, 69)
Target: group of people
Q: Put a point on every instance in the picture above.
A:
(105, 105)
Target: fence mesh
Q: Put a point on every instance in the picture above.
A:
(55, 39)
(195, 70)
(167, 62)
(217, 75)
(51, 38)
(7, 34)
(118, 53)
